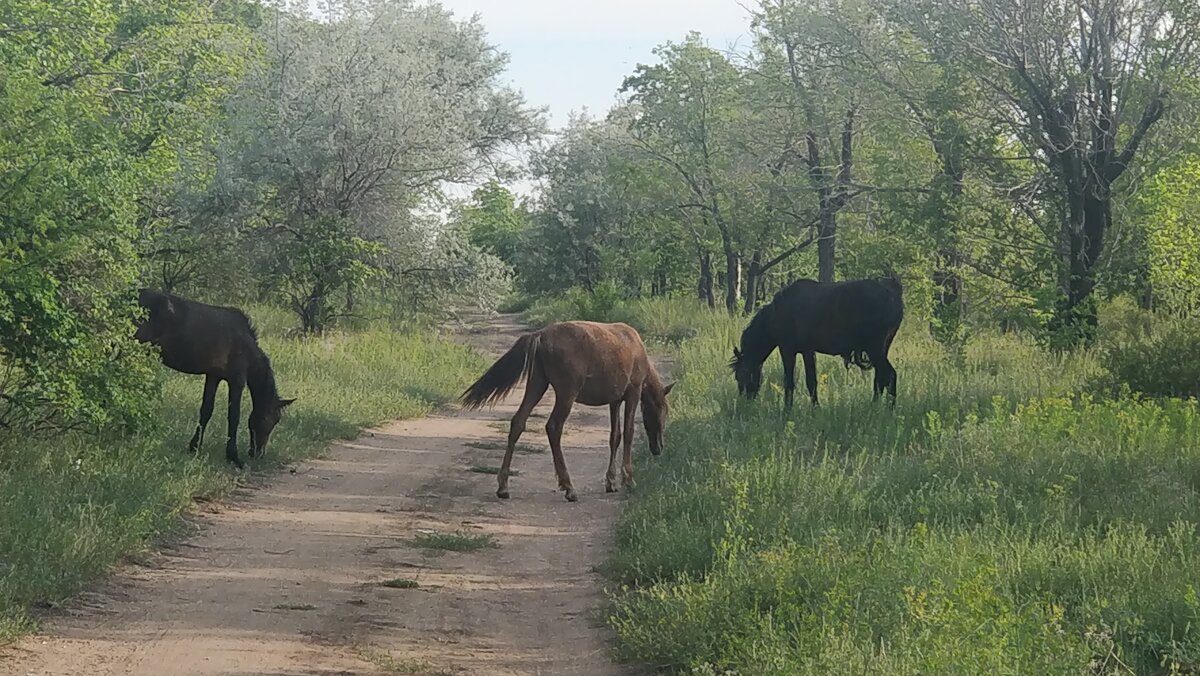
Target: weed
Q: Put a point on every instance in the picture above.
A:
(457, 541)
(400, 583)
(488, 469)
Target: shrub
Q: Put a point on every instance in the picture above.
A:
(1165, 364)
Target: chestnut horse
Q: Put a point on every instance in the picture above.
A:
(586, 362)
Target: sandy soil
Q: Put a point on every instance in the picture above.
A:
(286, 578)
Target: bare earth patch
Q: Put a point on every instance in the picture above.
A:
(298, 577)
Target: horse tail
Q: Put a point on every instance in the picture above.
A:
(504, 375)
(858, 358)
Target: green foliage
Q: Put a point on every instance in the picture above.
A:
(1171, 218)
(316, 263)
(493, 223)
(995, 522)
(73, 505)
(1162, 363)
(99, 103)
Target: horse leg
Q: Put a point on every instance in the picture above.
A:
(206, 411)
(789, 376)
(535, 389)
(810, 375)
(614, 440)
(891, 381)
(632, 399)
(236, 385)
(885, 377)
(554, 428)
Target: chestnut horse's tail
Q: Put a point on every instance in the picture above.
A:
(504, 375)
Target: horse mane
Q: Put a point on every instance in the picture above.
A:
(758, 331)
(260, 377)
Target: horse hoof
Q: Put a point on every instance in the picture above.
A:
(609, 488)
(503, 494)
(571, 497)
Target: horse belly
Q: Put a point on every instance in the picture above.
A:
(601, 393)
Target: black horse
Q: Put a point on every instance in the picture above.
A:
(220, 344)
(855, 320)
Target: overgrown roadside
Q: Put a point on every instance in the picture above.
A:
(392, 554)
(73, 505)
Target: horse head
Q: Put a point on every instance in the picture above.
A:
(263, 422)
(747, 373)
(160, 315)
(654, 415)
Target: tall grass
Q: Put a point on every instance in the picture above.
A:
(72, 506)
(998, 521)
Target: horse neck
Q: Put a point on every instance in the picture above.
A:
(261, 380)
(758, 340)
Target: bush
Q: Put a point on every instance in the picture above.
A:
(1164, 364)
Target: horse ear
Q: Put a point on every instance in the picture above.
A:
(667, 389)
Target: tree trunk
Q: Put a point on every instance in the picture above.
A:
(733, 278)
(753, 276)
(705, 285)
(827, 243)
(1088, 217)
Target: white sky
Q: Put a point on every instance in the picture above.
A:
(571, 54)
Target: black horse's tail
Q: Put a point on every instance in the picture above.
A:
(504, 375)
(858, 358)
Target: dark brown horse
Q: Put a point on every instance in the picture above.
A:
(855, 320)
(220, 344)
(586, 362)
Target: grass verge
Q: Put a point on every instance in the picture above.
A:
(72, 506)
(997, 521)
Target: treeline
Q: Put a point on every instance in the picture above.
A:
(1015, 161)
(236, 151)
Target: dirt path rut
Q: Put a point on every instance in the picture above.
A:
(287, 578)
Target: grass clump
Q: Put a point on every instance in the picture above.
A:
(457, 541)
(73, 505)
(489, 469)
(400, 583)
(996, 522)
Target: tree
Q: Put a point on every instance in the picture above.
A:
(683, 110)
(98, 111)
(1080, 86)
(493, 222)
(355, 122)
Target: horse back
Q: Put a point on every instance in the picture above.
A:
(199, 338)
(603, 359)
(836, 317)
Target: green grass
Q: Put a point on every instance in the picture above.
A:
(996, 522)
(391, 665)
(500, 446)
(400, 583)
(489, 469)
(455, 542)
(74, 505)
(294, 606)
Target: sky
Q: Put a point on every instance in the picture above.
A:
(570, 55)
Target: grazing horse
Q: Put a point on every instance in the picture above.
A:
(855, 320)
(220, 344)
(586, 362)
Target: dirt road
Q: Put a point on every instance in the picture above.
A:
(289, 578)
